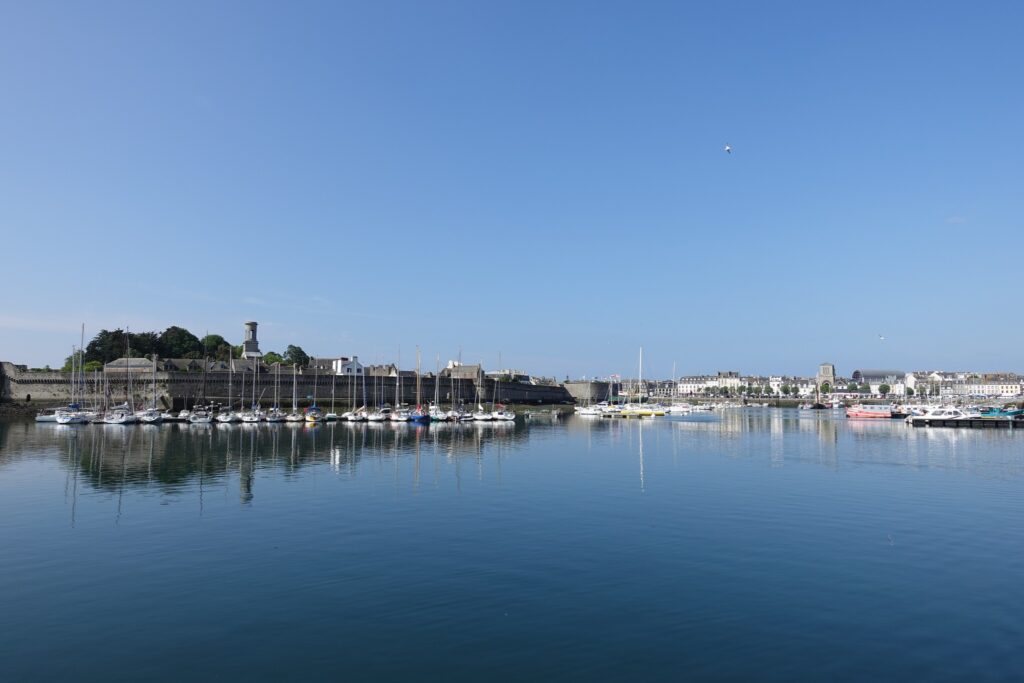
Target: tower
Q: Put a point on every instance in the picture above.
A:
(826, 373)
(251, 347)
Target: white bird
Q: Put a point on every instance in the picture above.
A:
(881, 338)
(728, 149)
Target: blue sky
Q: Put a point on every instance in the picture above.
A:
(542, 180)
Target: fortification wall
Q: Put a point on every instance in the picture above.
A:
(183, 389)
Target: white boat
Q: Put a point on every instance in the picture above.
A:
(228, 416)
(503, 414)
(295, 415)
(275, 414)
(438, 414)
(200, 415)
(481, 415)
(679, 409)
(379, 415)
(938, 413)
(357, 415)
(253, 416)
(400, 415)
(119, 415)
(70, 417)
(151, 416)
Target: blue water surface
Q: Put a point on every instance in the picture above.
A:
(757, 544)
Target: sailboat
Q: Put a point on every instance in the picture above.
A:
(275, 414)
(123, 414)
(151, 415)
(437, 414)
(418, 414)
(254, 414)
(331, 416)
(73, 413)
(229, 415)
(295, 415)
(313, 412)
(480, 414)
(500, 413)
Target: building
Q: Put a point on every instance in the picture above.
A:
(895, 380)
(250, 346)
(826, 375)
(341, 365)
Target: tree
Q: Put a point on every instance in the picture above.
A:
(294, 355)
(106, 346)
(851, 387)
(884, 389)
(216, 347)
(177, 342)
(826, 388)
(92, 366)
(910, 392)
(271, 357)
(864, 388)
(786, 389)
(766, 390)
(143, 344)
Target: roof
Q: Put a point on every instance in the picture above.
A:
(877, 374)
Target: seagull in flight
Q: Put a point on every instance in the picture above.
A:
(881, 338)
(728, 149)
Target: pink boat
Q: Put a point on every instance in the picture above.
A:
(869, 411)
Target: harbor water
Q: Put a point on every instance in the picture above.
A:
(755, 544)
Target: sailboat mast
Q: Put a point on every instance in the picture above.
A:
(418, 399)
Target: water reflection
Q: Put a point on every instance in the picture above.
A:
(175, 458)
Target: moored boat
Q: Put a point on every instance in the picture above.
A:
(869, 411)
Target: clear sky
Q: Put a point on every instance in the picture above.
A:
(545, 180)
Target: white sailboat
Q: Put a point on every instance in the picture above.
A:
(275, 414)
(295, 415)
(229, 415)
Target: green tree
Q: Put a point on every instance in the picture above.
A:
(92, 366)
(294, 355)
(144, 344)
(766, 390)
(177, 342)
(864, 388)
(826, 388)
(216, 347)
(271, 357)
(68, 363)
(910, 392)
(786, 389)
(884, 389)
(851, 387)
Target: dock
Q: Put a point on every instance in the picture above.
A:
(969, 423)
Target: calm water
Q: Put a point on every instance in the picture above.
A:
(761, 544)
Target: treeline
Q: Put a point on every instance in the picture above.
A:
(174, 342)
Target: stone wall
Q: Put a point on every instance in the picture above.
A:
(182, 389)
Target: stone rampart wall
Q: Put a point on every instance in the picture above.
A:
(179, 389)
